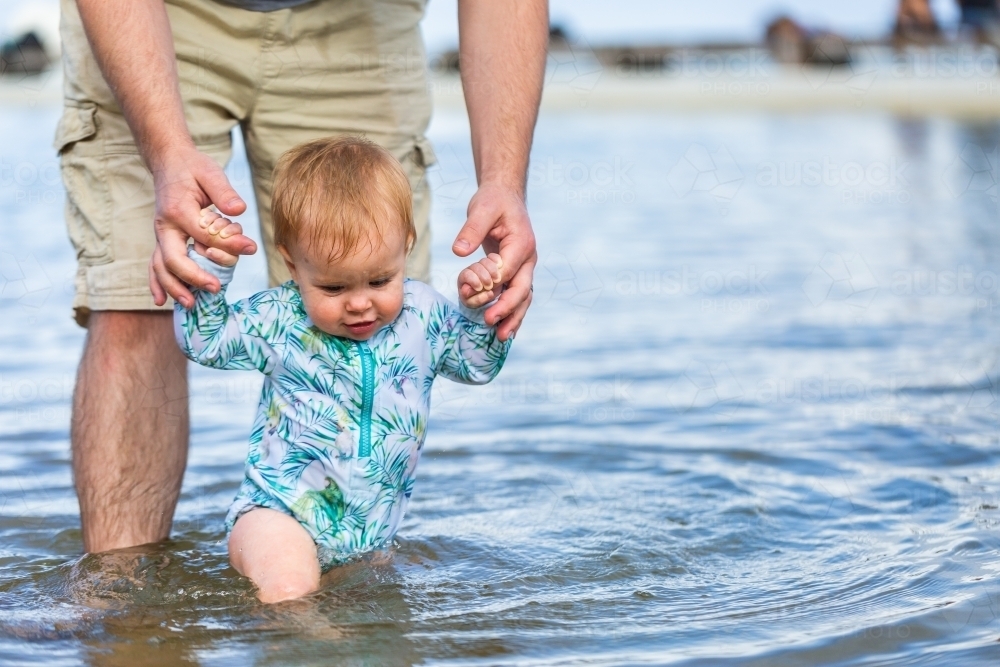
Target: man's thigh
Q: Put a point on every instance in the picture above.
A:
(335, 68)
(110, 200)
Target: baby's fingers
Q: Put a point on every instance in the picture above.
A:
(471, 277)
(216, 225)
(486, 275)
(481, 298)
(493, 263)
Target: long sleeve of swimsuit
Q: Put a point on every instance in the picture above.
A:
(217, 334)
(463, 347)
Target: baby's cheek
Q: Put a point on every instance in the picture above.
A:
(323, 311)
(390, 304)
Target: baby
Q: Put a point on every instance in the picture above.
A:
(349, 349)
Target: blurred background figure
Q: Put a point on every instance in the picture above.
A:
(980, 18)
(915, 22)
(790, 42)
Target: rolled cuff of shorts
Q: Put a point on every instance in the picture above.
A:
(119, 285)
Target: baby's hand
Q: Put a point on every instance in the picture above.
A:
(482, 282)
(216, 225)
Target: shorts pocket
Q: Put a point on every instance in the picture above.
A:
(88, 200)
(423, 152)
(76, 124)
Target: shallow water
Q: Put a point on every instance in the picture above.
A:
(752, 418)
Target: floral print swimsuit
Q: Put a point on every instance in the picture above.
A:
(340, 423)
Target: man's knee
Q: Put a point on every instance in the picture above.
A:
(149, 333)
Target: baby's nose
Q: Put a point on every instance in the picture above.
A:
(359, 303)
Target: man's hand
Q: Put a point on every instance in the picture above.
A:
(498, 220)
(502, 46)
(185, 187)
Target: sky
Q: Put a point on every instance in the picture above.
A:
(629, 21)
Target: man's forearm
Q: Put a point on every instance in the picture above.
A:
(134, 47)
(502, 47)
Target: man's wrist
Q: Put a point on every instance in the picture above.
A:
(503, 182)
(163, 156)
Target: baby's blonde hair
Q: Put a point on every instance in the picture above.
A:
(333, 194)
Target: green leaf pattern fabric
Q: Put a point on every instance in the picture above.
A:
(304, 458)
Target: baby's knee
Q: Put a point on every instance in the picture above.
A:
(287, 586)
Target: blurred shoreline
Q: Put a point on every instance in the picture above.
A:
(946, 80)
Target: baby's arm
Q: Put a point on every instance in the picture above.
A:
(464, 348)
(210, 333)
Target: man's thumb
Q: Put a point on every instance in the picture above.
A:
(222, 194)
(472, 233)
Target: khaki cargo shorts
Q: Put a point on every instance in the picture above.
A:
(325, 68)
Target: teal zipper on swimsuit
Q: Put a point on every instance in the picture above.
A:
(367, 398)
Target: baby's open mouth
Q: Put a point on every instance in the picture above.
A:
(360, 327)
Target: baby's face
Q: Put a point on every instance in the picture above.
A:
(358, 294)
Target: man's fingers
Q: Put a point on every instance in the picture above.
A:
(509, 326)
(237, 244)
(479, 223)
(518, 290)
(515, 250)
(186, 272)
(168, 283)
(173, 251)
(159, 294)
(217, 187)
(175, 287)
(221, 257)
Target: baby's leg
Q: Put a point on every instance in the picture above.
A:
(276, 553)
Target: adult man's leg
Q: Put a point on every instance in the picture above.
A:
(130, 413)
(130, 429)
